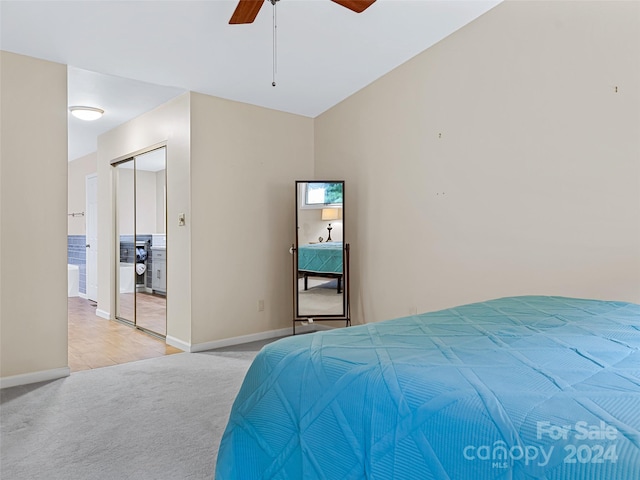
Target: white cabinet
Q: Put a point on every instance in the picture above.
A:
(159, 262)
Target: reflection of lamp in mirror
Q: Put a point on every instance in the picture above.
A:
(330, 214)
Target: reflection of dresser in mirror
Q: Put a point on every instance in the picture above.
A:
(321, 256)
(159, 261)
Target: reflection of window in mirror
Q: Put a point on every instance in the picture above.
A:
(319, 194)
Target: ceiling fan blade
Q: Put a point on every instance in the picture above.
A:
(357, 6)
(246, 11)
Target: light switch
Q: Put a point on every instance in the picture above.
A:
(181, 220)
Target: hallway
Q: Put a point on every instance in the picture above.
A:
(96, 342)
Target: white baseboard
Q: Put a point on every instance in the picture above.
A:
(254, 337)
(176, 342)
(82, 295)
(35, 377)
(103, 314)
(227, 342)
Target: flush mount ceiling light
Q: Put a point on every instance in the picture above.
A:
(86, 113)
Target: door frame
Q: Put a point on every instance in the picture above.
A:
(116, 288)
(91, 237)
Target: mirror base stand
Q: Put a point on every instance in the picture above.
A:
(310, 321)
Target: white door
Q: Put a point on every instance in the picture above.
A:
(92, 237)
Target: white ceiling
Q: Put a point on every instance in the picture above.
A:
(325, 52)
(122, 99)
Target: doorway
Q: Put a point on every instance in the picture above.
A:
(141, 242)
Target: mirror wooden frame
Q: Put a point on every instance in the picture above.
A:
(297, 274)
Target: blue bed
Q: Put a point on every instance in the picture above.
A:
(320, 260)
(514, 388)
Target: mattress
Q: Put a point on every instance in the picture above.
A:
(320, 258)
(514, 388)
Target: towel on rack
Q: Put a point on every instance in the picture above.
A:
(141, 254)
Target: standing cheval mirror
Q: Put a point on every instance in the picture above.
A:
(320, 254)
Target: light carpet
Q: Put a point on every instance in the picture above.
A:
(161, 418)
(320, 299)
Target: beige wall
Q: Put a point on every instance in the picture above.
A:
(33, 220)
(499, 162)
(146, 203)
(311, 226)
(125, 211)
(160, 201)
(167, 124)
(77, 192)
(145, 198)
(244, 163)
(237, 193)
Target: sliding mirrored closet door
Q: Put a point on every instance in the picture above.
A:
(141, 241)
(151, 302)
(125, 240)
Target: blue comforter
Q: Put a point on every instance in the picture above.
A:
(514, 388)
(321, 257)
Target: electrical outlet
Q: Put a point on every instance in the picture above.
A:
(261, 305)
